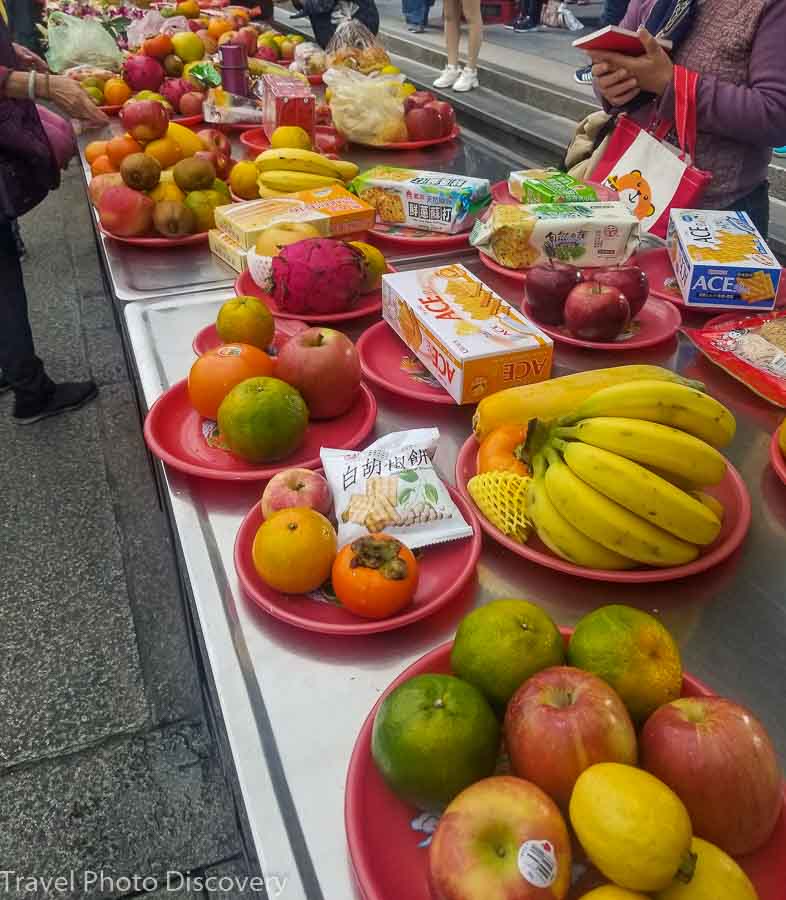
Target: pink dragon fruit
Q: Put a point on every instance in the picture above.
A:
(317, 275)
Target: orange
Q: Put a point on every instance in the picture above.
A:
(165, 150)
(217, 27)
(247, 320)
(214, 375)
(294, 550)
(102, 166)
(95, 149)
(120, 147)
(116, 92)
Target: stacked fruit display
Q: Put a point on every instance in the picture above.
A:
(263, 404)
(106, 91)
(291, 165)
(275, 47)
(594, 305)
(617, 477)
(659, 790)
(158, 178)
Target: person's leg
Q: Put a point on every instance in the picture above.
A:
(614, 11)
(528, 18)
(468, 80)
(36, 396)
(452, 16)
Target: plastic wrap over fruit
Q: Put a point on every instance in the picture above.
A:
(152, 24)
(366, 110)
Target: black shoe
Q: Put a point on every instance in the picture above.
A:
(66, 397)
(583, 76)
(523, 25)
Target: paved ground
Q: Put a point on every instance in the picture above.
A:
(105, 759)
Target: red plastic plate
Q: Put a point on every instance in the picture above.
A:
(386, 836)
(776, 457)
(112, 110)
(160, 242)
(513, 274)
(188, 121)
(208, 339)
(389, 363)
(658, 321)
(367, 304)
(173, 432)
(416, 239)
(234, 126)
(444, 569)
(255, 140)
(417, 145)
(731, 492)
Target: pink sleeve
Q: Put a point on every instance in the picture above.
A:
(755, 112)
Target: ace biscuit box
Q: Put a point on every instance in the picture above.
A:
(470, 339)
(721, 261)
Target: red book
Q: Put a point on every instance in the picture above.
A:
(616, 40)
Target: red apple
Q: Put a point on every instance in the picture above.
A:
(501, 839)
(547, 289)
(125, 212)
(101, 183)
(446, 113)
(596, 312)
(418, 99)
(214, 139)
(296, 487)
(221, 162)
(718, 758)
(191, 104)
(423, 124)
(247, 37)
(144, 120)
(323, 365)
(628, 280)
(561, 721)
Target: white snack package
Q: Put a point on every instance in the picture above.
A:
(392, 487)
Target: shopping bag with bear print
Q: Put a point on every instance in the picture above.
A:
(646, 171)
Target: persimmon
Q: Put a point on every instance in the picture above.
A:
(159, 46)
(375, 576)
(95, 149)
(102, 165)
(215, 373)
(502, 450)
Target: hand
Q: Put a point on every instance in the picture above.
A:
(72, 99)
(29, 60)
(653, 72)
(616, 86)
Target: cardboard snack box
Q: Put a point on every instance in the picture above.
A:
(470, 339)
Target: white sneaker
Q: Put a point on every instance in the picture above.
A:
(467, 80)
(450, 75)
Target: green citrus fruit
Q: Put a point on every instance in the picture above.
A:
(500, 645)
(263, 419)
(633, 652)
(245, 320)
(433, 736)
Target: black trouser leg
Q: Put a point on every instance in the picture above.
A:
(534, 9)
(757, 206)
(23, 370)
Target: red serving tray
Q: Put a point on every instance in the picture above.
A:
(383, 846)
(173, 432)
(416, 239)
(732, 493)
(444, 571)
(417, 145)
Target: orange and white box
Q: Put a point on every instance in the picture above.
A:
(470, 339)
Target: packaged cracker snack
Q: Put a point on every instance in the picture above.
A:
(585, 234)
(549, 186)
(721, 261)
(751, 349)
(392, 487)
(468, 337)
(431, 201)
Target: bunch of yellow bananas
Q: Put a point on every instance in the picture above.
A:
(289, 170)
(617, 482)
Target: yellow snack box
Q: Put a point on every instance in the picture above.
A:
(721, 261)
(470, 339)
(347, 213)
(227, 250)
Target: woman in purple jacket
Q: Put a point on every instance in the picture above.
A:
(737, 47)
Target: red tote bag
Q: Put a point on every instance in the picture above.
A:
(648, 176)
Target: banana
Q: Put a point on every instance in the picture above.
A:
(293, 160)
(672, 404)
(610, 524)
(564, 539)
(291, 182)
(652, 498)
(266, 193)
(559, 396)
(711, 503)
(348, 170)
(671, 451)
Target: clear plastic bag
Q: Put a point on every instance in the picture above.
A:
(355, 47)
(367, 110)
(75, 42)
(310, 59)
(152, 24)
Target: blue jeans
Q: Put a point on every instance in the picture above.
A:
(614, 11)
(416, 11)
